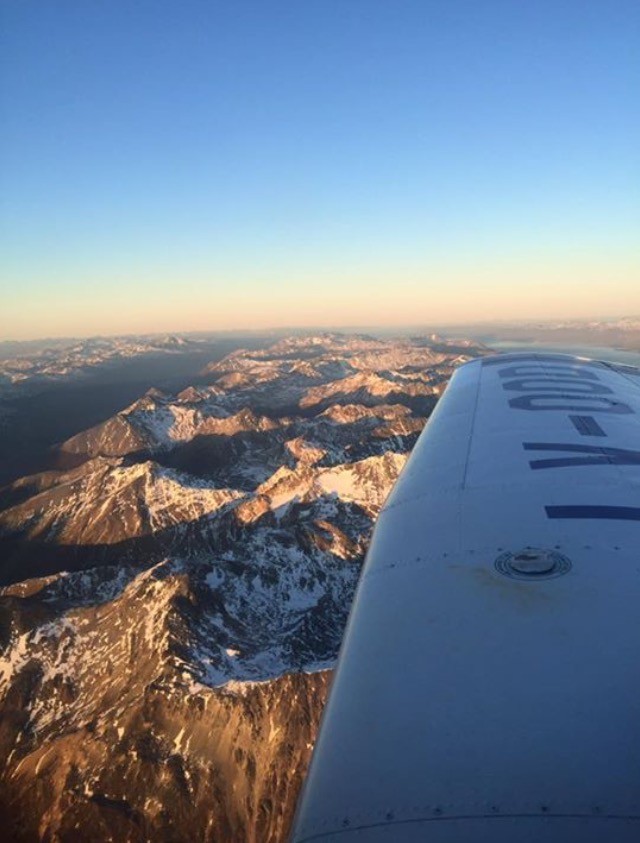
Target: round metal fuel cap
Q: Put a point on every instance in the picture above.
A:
(532, 563)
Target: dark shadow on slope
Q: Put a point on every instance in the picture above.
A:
(22, 558)
(219, 457)
(362, 450)
(237, 459)
(201, 456)
(61, 409)
(20, 491)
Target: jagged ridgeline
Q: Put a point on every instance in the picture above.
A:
(174, 593)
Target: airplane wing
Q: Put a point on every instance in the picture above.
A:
(488, 687)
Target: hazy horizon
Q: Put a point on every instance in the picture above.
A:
(401, 329)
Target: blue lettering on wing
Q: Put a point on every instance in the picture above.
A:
(614, 513)
(536, 357)
(597, 455)
(587, 426)
(567, 401)
(536, 384)
(529, 370)
(559, 385)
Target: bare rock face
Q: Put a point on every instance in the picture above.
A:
(126, 747)
(108, 725)
(172, 600)
(113, 438)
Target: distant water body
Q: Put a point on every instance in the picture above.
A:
(595, 352)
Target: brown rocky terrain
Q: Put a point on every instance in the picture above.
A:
(173, 596)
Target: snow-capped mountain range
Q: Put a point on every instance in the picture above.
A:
(174, 592)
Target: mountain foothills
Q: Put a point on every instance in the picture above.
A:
(175, 589)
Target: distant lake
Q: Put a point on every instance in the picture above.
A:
(596, 352)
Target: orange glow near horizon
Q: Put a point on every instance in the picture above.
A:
(412, 298)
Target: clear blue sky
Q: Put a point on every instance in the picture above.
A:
(191, 165)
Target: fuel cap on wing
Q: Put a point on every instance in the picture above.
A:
(532, 563)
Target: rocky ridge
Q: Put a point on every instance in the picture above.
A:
(174, 595)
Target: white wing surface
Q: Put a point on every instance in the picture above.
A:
(488, 687)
